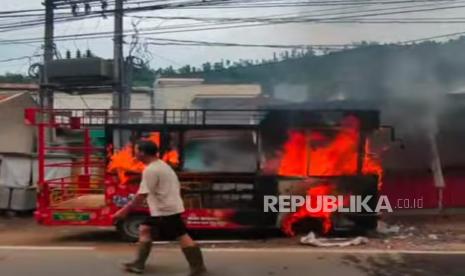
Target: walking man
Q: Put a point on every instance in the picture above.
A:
(160, 187)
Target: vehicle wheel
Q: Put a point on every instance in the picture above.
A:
(129, 227)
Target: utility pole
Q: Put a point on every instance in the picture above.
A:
(122, 89)
(127, 89)
(46, 94)
(45, 91)
(118, 60)
(118, 70)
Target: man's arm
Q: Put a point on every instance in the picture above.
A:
(148, 176)
(123, 212)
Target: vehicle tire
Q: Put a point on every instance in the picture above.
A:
(129, 227)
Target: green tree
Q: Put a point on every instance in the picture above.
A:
(217, 66)
(207, 67)
(185, 69)
(15, 78)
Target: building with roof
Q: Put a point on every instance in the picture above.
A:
(170, 94)
(17, 147)
(15, 136)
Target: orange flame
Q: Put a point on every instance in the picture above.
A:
(294, 161)
(338, 157)
(309, 153)
(303, 213)
(171, 157)
(154, 137)
(124, 161)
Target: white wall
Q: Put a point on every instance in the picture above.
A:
(15, 136)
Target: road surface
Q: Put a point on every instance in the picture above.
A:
(78, 261)
(27, 249)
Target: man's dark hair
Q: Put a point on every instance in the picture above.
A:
(147, 147)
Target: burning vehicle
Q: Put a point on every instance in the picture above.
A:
(227, 162)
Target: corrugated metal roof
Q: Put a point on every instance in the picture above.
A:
(165, 97)
(215, 96)
(18, 86)
(5, 96)
(10, 90)
(97, 101)
(230, 102)
(182, 97)
(165, 82)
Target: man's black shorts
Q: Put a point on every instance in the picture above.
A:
(166, 227)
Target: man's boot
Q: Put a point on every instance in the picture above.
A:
(194, 258)
(143, 253)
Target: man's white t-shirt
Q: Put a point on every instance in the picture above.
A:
(161, 184)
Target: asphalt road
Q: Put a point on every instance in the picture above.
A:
(31, 250)
(78, 261)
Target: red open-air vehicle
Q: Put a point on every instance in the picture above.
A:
(227, 160)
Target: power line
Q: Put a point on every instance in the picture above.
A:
(282, 19)
(307, 4)
(21, 11)
(19, 58)
(71, 17)
(261, 22)
(297, 19)
(178, 42)
(190, 27)
(226, 44)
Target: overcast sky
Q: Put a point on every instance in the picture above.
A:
(304, 33)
